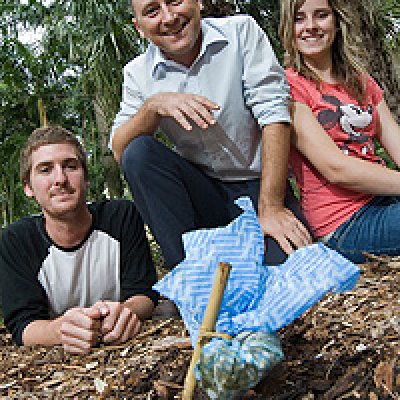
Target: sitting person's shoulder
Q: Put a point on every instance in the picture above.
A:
(24, 245)
(115, 215)
(23, 228)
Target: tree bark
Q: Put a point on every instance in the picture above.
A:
(42, 113)
(112, 174)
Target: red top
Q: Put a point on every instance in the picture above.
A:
(352, 127)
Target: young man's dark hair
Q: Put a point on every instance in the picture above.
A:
(48, 135)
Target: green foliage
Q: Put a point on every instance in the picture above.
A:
(17, 110)
(28, 75)
(100, 38)
(380, 151)
(266, 13)
(388, 20)
(76, 71)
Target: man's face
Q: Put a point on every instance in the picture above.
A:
(57, 180)
(172, 25)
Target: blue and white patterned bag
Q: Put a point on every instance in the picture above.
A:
(257, 298)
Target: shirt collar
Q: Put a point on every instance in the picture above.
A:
(211, 35)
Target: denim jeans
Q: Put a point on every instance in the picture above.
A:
(375, 229)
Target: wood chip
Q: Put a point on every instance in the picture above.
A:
(383, 376)
(155, 362)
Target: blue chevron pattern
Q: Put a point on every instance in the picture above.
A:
(257, 298)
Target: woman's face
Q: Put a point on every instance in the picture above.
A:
(314, 29)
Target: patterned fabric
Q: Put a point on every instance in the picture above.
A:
(228, 367)
(257, 298)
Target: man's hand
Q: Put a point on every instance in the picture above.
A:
(119, 323)
(285, 228)
(80, 329)
(184, 107)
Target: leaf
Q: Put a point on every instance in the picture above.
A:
(383, 376)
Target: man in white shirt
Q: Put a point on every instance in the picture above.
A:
(215, 88)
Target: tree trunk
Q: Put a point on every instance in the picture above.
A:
(42, 113)
(3, 201)
(112, 175)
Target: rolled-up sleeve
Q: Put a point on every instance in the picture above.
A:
(265, 88)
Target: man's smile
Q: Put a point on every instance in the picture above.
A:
(177, 31)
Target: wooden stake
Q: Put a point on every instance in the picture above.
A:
(208, 324)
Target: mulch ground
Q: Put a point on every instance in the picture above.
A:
(345, 347)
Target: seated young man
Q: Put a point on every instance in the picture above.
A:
(77, 273)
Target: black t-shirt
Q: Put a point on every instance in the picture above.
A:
(41, 280)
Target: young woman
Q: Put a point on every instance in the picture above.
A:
(350, 198)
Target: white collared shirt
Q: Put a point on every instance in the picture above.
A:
(238, 70)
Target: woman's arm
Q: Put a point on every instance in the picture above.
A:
(389, 134)
(349, 172)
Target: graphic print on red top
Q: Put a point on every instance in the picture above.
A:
(352, 126)
(353, 120)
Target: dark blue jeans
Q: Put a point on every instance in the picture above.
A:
(174, 196)
(375, 229)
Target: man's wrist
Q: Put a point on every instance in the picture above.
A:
(269, 205)
(150, 107)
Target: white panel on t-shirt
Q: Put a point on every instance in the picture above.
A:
(83, 276)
